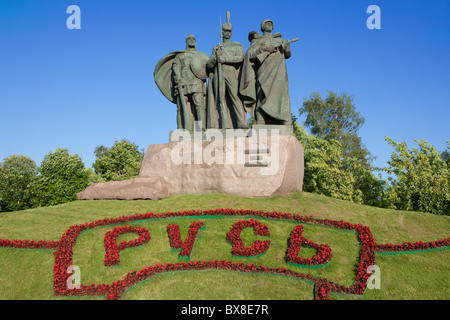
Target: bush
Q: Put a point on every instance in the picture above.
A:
(422, 181)
(18, 174)
(329, 172)
(120, 162)
(61, 176)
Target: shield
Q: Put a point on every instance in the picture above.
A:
(198, 65)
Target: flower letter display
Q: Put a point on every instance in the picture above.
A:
(324, 287)
(112, 250)
(297, 240)
(259, 247)
(175, 238)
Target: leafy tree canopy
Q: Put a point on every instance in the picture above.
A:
(328, 172)
(120, 162)
(331, 118)
(18, 175)
(422, 178)
(61, 176)
(335, 118)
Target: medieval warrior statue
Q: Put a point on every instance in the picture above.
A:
(264, 80)
(181, 77)
(224, 106)
(254, 82)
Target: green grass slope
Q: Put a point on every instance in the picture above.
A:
(28, 274)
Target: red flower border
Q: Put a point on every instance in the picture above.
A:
(29, 244)
(410, 246)
(115, 290)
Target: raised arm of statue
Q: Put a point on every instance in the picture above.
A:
(212, 59)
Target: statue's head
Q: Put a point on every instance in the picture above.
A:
(226, 27)
(190, 41)
(226, 30)
(267, 25)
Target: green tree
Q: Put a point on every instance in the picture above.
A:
(93, 177)
(422, 178)
(446, 154)
(120, 162)
(335, 118)
(61, 176)
(18, 174)
(327, 172)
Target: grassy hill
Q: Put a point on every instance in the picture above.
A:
(28, 273)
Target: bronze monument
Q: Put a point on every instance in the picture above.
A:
(225, 108)
(181, 77)
(264, 161)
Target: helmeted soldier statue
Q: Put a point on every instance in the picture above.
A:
(181, 77)
(264, 80)
(224, 106)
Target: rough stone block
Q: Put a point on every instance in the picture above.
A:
(255, 166)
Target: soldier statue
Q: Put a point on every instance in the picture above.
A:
(264, 80)
(181, 77)
(224, 106)
(254, 82)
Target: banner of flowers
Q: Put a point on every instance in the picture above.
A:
(323, 288)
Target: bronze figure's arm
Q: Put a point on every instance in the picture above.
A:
(176, 69)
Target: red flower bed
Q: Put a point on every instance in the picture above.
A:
(64, 252)
(112, 249)
(258, 247)
(297, 240)
(175, 237)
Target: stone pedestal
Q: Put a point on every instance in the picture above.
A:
(250, 165)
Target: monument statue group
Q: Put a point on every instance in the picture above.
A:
(215, 94)
(240, 82)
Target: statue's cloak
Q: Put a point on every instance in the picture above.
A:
(247, 84)
(163, 76)
(163, 73)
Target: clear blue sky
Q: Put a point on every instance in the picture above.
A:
(79, 89)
